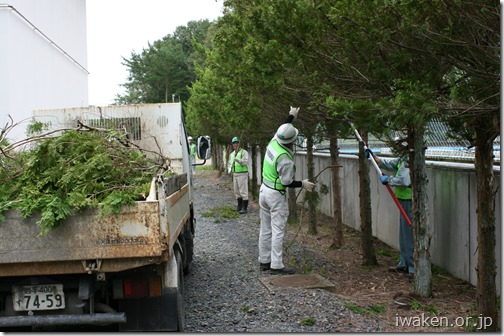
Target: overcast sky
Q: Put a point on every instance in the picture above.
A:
(116, 28)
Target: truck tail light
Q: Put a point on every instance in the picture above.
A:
(142, 287)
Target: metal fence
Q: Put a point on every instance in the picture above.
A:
(440, 147)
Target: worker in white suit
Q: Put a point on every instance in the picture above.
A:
(277, 175)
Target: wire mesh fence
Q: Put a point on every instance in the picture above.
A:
(439, 145)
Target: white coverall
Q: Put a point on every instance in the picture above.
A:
(274, 213)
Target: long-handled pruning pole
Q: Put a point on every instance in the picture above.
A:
(403, 213)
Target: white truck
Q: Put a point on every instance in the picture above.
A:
(124, 269)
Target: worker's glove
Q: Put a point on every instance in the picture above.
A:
(294, 111)
(369, 153)
(384, 179)
(308, 185)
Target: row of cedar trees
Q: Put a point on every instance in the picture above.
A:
(385, 65)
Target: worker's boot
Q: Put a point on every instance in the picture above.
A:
(240, 204)
(245, 206)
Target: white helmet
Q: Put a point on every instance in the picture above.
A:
(189, 138)
(286, 134)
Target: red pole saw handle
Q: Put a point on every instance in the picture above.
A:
(401, 209)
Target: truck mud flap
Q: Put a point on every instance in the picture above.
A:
(189, 249)
(151, 314)
(60, 320)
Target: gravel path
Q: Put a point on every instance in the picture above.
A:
(223, 292)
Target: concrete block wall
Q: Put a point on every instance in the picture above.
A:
(451, 209)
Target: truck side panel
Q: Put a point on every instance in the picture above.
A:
(132, 233)
(179, 213)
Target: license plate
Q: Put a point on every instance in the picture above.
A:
(38, 297)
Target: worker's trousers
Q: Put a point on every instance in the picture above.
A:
(192, 161)
(240, 185)
(274, 213)
(406, 246)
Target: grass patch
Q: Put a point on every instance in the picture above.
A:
(210, 213)
(309, 321)
(294, 223)
(377, 308)
(436, 270)
(247, 309)
(221, 214)
(306, 267)
(383, 253)
(430, 309)
(205, 168)
(356, 309)
(372, 310)
(418, 306)
(305, 264)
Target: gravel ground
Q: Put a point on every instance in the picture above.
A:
(223, 292)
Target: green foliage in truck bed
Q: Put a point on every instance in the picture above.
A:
(80, 169)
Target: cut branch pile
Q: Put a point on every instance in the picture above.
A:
(80, 168)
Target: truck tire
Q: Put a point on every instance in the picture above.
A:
(180, 293)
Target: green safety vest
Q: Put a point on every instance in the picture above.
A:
(192, 150)
(402, 193)
(270, 174)
(235, 166)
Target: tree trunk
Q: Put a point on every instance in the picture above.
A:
(421, 231)
(216, 157)
(486, 291)
(292, 200)
(254, 190)
(368, 253)
(293, 213)
(166, 90)
(311, 197)
(228, 150)
(336, 188)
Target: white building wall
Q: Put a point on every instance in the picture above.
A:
(43, 63)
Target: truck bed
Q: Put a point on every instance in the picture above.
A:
(84, 242)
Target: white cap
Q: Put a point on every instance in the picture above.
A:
(286, 134)
(189, 138)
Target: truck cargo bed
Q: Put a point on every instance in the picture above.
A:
(85, 242)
